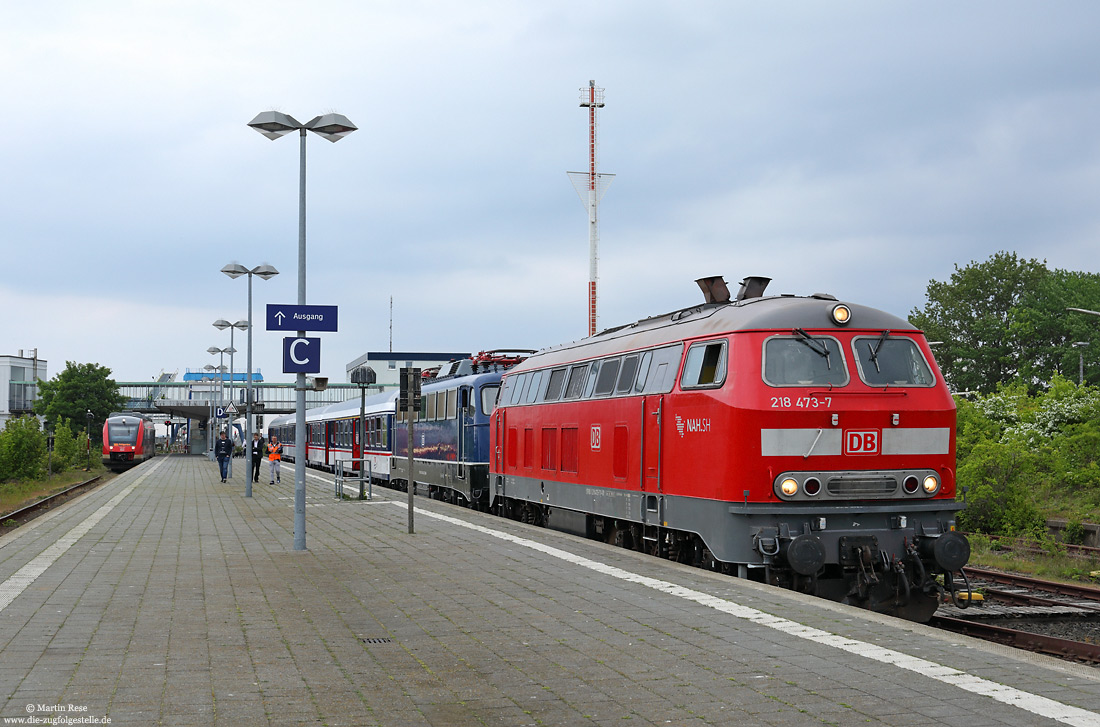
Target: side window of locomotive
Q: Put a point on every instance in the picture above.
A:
(452, 403)
(590, 385)
(662, 369)
(891, 362)
(506, 391)
(517, 388)
(429, 406)
(576, 381)
(798, 361)
(705, 366)
(609, 373)
(533, 389)
(626, 375)
(553, 389)
(643, 371)
(489, 399)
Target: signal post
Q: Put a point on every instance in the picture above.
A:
(408, 401)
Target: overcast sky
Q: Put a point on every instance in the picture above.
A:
(856, 148)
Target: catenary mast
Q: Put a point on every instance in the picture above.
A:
(591, 186)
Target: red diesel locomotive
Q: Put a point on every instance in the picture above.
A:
(800, 441)
(128, 439)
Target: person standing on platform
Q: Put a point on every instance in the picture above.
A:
(274, 457)
(257, 455)
(223, 450)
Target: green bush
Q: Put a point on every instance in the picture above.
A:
(1000, 482)
(22, 449)
(65, 448)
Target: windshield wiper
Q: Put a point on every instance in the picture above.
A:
(814, 345)
(878, 347)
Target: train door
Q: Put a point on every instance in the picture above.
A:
(464, 426)
(651, 460)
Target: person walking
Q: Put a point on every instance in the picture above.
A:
(223, 450)
(274, 456)
(257, 455)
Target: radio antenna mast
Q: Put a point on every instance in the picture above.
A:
(591, 186)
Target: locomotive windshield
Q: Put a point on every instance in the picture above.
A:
(885, 361)
(123, 432)
(803, 360)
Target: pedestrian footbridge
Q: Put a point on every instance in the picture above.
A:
(199, 399)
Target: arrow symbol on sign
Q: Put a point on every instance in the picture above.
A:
(279, 317)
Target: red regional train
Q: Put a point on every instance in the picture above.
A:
(800, 441)
(128, 439)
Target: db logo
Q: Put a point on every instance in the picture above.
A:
(856, 442)
(595, 441)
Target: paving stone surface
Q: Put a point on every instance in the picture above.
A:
(166, 597)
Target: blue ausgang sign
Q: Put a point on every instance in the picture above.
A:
(301, 317)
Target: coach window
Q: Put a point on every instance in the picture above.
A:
(609, 373)
(705, 366)
(553, 389)
(626, 375)
(575, 387)
(804, 360)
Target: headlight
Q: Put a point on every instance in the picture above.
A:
(931, 484)
(841, 314)
(789, 487)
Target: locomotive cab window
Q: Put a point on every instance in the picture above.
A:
(804, 360)
(489, 399)
(886, 361)
(705, 366)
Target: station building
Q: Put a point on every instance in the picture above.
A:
(19, 376)
(387, 365)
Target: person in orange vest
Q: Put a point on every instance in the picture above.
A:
(274, 457)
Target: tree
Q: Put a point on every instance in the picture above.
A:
(65, 446)
(1005, 319)
(78, 389)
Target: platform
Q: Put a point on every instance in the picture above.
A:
(167, 598)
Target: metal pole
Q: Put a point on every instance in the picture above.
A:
(410, 414)
(300, 379)
(1080, 367)
(362, 436)
(248, 396)
(228, 417)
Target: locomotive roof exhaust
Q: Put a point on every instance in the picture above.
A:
(715, 290)
(753, 287)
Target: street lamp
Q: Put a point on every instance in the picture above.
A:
(265, 272)
(1080, 346)
(274, 124)
(211, 420)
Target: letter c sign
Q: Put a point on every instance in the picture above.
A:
(301, 355)
(861, 442)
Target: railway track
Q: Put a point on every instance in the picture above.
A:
(24, 514)
(1047, 617)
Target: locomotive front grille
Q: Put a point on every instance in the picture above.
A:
(861, 486)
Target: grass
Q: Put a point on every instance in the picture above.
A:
(1053, 563)
(15, 494)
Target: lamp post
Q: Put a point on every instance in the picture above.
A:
(1080, 346)
(265, 272)
(211, 419)
(274, 124)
